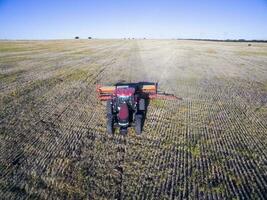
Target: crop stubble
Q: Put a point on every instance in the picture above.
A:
(211, 144)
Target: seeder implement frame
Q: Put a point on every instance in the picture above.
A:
(150, 90)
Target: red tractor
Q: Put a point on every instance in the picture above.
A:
(127, 104)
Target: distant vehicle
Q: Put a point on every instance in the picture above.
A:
(77, 38)
(89, 38)
(127, 104)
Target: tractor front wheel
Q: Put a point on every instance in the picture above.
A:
(110, 125)
(138, 124)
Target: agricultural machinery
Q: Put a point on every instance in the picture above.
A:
(126, 104)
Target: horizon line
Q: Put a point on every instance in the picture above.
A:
(139, 38)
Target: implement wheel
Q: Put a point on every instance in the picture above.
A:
(142, 104)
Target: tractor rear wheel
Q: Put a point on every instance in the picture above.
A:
(109, 107)
(110, 124)
(138, 124)
(142, 104)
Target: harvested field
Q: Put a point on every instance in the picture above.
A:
(210, 145)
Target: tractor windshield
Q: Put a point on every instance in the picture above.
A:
(123, 99)
(125, 95)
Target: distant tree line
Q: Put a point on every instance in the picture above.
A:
(77, 37)
(227, 40)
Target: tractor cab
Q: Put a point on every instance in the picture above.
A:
(124, 105)
(125, 94)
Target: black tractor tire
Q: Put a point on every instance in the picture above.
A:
(138, 124)
(109, 107)
(142, 105)
(110, 124)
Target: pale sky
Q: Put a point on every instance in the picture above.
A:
(63, 19)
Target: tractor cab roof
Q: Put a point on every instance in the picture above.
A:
(136, 85)
(124, 84)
